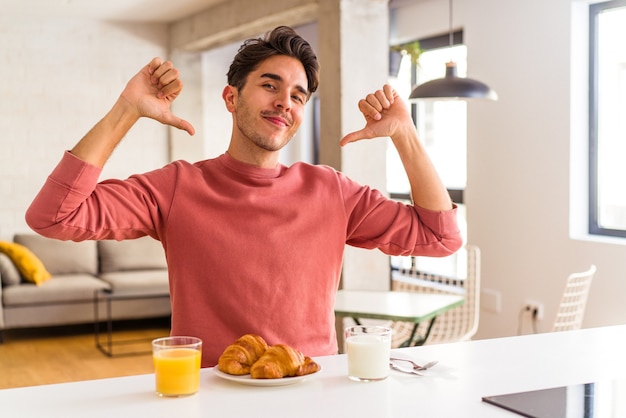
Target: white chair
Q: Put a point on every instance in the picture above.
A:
(458, 324)
(571, 310)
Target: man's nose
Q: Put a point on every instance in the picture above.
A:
(283, 101)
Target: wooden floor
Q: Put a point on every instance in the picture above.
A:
(41, 356)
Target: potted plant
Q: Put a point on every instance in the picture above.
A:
(396, 52)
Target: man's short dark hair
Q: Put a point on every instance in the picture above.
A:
(281, 41)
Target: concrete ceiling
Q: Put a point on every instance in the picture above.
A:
(162, 11)
(116, 10)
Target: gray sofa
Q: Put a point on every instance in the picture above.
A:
(78, 270)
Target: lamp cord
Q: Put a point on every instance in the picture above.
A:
(450, 35)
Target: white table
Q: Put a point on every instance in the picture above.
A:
(396, 306)
(454, 388)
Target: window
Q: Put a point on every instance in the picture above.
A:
(607, 121)
(441, 125)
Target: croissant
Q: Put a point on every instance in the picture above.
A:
(240, 355)
(281, 360)
(309, 366)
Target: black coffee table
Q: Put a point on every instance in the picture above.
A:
(108, 296)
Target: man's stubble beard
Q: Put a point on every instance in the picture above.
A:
(245, 125)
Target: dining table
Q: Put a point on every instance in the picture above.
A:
(466, 374)
(414, 307)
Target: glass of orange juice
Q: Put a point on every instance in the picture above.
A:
(177, 365)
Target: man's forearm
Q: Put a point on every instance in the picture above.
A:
(97, 146)
(427, 189)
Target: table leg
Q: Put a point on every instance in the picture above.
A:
(108, 350)
(96, 319)
(430, 327)
(106, 346)
(420, 340)
(411, 341)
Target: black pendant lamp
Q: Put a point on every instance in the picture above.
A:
(452, 86)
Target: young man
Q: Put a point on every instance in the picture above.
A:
(252, 246)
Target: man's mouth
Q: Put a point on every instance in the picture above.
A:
(278, 120)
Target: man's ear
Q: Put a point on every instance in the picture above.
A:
(229, 94)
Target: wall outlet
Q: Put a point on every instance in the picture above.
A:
(534, 307)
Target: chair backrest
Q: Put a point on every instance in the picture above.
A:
(458, 324)
(571, 310)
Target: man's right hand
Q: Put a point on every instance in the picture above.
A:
(151, 92)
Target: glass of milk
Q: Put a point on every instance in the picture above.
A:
(368, 348)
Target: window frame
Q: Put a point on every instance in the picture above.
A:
(594, 227)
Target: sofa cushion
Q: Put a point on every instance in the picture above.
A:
(61, 289)
(8, 272)
(143, 253)
(144, 281)
(62, 257)
(28, 264)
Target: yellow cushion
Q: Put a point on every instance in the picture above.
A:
(29, 266)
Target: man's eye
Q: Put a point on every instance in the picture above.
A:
(298, 99)
(269, 86)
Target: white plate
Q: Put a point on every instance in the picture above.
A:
(247, 380)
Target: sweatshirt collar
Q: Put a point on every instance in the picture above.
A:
(250, 170)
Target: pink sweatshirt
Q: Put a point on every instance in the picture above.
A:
(249, 250)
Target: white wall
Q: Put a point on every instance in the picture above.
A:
(59, 77)
(519, 168)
